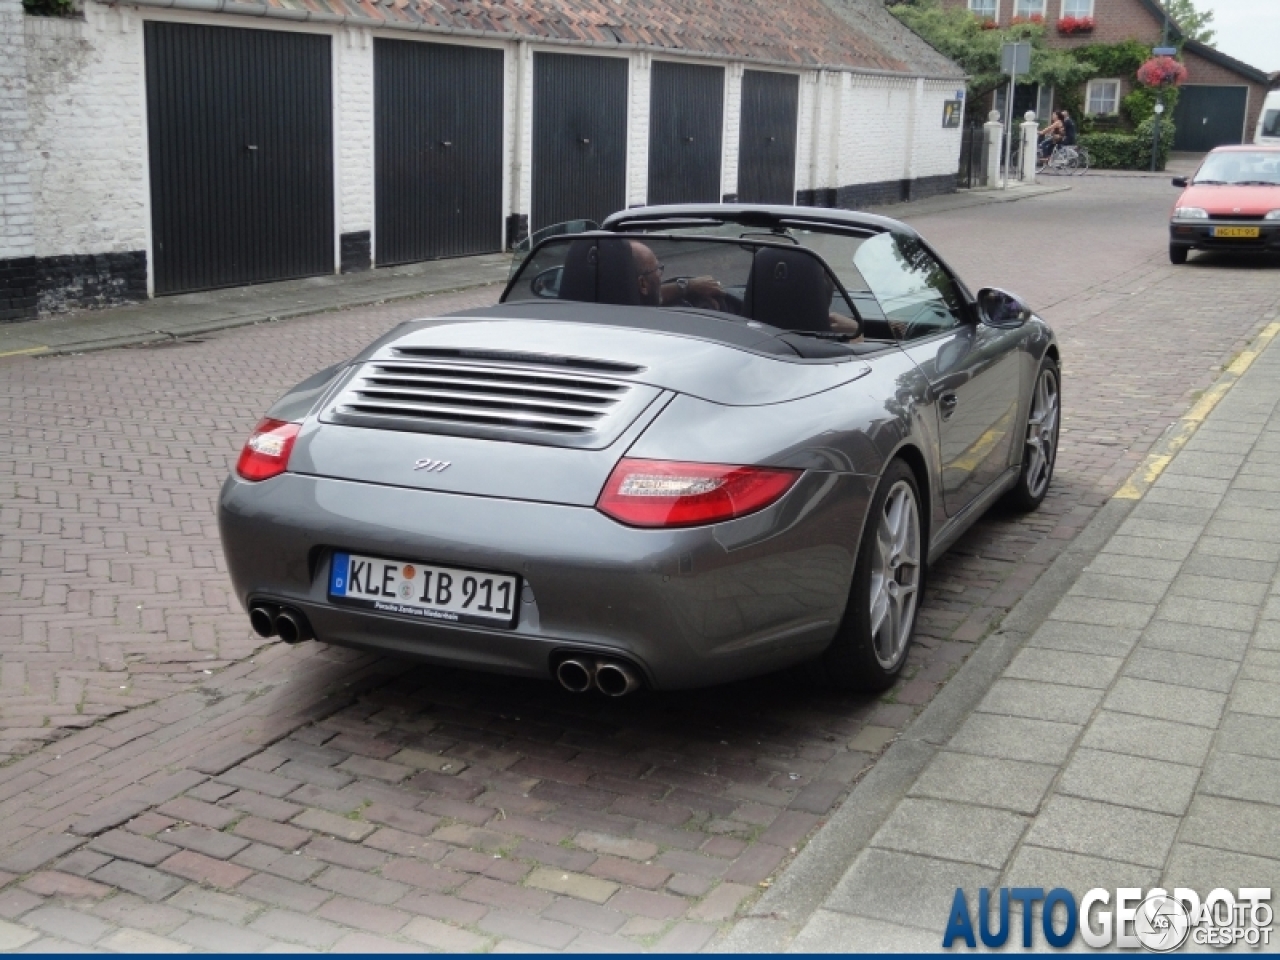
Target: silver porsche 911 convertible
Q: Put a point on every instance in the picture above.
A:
(696, 444)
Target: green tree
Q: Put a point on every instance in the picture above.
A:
(1194, 24)
(958, 34)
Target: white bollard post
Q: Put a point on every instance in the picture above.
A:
(993, 149)
(1030, 141)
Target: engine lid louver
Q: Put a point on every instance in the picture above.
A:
(523, 403)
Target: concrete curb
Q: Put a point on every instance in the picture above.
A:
(806, 884)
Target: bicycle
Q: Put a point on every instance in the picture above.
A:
(1064, 159)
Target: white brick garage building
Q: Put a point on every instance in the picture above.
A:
(168, 149)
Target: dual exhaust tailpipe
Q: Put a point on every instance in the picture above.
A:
(611, 677)
(288, 624)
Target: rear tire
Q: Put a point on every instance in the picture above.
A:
(1040, 451)
(1178, 254)
(870, 648)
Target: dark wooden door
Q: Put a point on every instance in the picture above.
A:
(767, 137)
(579, 137)
(240, 139)
(437, 149)
(686, 124)
(1208, 117)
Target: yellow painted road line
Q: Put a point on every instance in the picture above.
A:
(1185, 427)
(19, 353)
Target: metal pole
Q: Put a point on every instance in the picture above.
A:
(1155, 127)
(1008, 132)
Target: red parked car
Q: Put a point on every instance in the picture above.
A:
(1232, 203)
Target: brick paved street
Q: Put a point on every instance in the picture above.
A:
(172, 782)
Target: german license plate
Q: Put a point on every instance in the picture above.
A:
(424, 590)
(1240, 232)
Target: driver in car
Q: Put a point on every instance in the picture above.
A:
(706, 292)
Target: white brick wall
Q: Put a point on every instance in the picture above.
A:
(937, 148)
(641, 79)
(16, 210)
(732, 127)
(88, 134)
(873, 139)
(353, 131)
(809, 98)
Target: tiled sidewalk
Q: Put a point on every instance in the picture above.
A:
(1135, 739)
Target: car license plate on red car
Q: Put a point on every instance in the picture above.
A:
(1242, 233)
(427, 591)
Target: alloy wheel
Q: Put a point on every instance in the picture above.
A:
(1042, 432)
(895, 575)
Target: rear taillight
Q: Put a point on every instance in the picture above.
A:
(665, 493)
(266, 454)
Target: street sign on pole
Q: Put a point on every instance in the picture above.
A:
(1165, 52)
(1015, 60)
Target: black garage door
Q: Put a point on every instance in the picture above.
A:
(438, 149)
(240, 128)
(767, 138)
(686, 121)
(579, 137)
(1208, 117)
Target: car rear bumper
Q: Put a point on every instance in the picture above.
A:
(688, 607)
(1198, 234)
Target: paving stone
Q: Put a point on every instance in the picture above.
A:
(616, 846)
(1111, 587)
(1204, 868)
(1085, 638)
(344, 854)
(324, 822)
(196, 811)
(139, 941)
(966, 778)
(259, 805)
(130, 846)
(82, 862)
(1039, 867)
(1129, 781)
(360, 885)
(571, 884)
(441, 936)
(276, 834)
(1224, 824)
(1219, 589)
(52, 883)
(1145, 568)
(1208, 613)
(1242, 777)
(542, 933)
(1015, 738)
(685, 938)
(1104, 830)
(317, 775)
(364, 915)
(405, 844)
(36, 855)
(67, 924)
(201, 869)
(259, 857)
(259, 782)
(1103, 613)
(219, 937)
(220, 906)
(904, 888)
(298, 928)
(721, 903)
(1166, 702)
(1148, 737)
(211, 843)
(138, 879)
(282, 893)
(443, 908)
(1183, 669)
(1135, 546)
(1248, 548)
(646, 903)
(13, 936)
(354, 943)
(1256, 697)
(629, 872)
(1040, 701)
(1195, 640)
(952, 831)
(1256, 736)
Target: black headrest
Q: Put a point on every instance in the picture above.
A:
(789, 289)
(600, 270)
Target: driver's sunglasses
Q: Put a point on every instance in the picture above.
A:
(658, 270)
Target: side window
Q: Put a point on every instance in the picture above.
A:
(917, 295)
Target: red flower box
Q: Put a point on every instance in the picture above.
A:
(1073, 25)
(1034, 18)
(989, 25)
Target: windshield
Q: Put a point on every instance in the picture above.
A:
(761, 277)
(1271, 123)
(1240, 166)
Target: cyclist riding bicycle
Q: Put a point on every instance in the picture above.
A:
(1052, 135)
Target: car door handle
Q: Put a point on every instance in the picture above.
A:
(947, 404)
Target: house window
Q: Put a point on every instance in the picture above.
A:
(1077, 8)
(984, 9)
(1104, 96)
(1028, 8)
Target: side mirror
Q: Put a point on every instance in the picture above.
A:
(1179, 181)
(547, 283)
(1001, 309)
